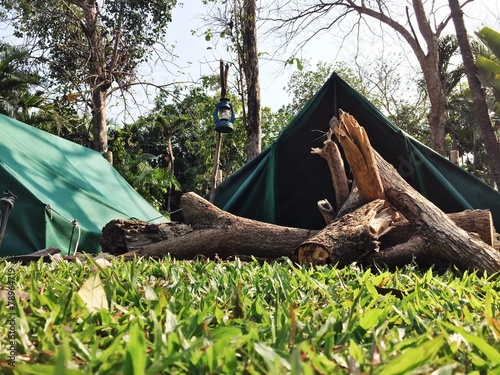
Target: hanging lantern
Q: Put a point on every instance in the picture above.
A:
(6, 204)
(224, 116)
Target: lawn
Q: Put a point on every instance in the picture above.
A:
(205, 317)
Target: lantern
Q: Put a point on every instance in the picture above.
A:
(224, 116)
(6, 204)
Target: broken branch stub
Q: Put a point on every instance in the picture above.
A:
(359, 155)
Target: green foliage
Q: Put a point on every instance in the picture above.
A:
(17, 96)
(450, 74)
(142, 170)
(184, 133)
(489, 67)
(272, 124)
(133, 25)
(205, 317)
(194, 139)
(295, 61)
(23, 98)
(304, 83)
(87, 50)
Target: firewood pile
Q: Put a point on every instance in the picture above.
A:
(379, 218)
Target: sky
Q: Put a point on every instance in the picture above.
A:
(197, 57)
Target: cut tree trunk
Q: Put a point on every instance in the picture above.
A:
(429, 234)
(219, 234)
(472, 221)
(349, 238)
(122, 236)
(402, 246)
(444, 237)
(415, 250)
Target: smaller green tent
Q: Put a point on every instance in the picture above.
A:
(282, 184)
(56, 182)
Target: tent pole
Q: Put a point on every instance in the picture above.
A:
(216, 167)
(6, 204)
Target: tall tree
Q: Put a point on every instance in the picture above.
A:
(91, 48)
(482, 118)
(416, 26)
(250, 60)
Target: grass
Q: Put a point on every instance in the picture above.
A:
(201, 317)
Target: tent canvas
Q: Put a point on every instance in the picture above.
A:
(282, 184)
(57, 181)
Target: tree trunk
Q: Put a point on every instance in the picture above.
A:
(99, 127)
(481, 114)
(170, 167)
(359, 155)
(444, 238)
(429, 63)
(478, 222)
(431, 235)
(349, 238)
(415, 250)
(98, 79)
(428, 60)
(123, 236)
(219, 234)
(436, 115)
(251, 70)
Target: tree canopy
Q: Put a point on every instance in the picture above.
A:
(90, 49)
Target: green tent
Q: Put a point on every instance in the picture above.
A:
(56, 182)
(283, 183)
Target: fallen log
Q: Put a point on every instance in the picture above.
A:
(349, 238)
(403, 246)
(220, 234)
(472, 221)
(444, 237)
(122, 236)
(415, 250)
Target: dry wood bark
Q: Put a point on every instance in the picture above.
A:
(349, 238)
(217, 233)
(359, 155)
(403, 246)
(330, 152)
(326, 210)
(429, 234)
(122, 236)
(444, 237)
(434, 235)
(472, 221)
(415, 250)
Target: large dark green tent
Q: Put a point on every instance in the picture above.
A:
(283, 183)
(56, 182)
